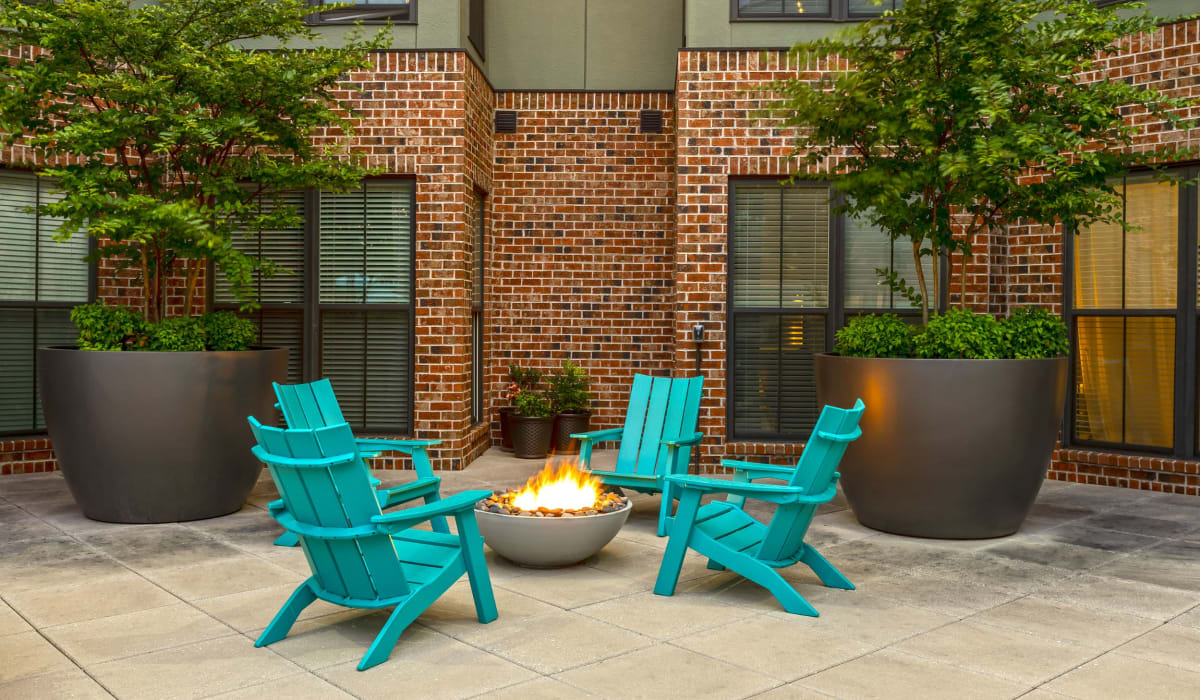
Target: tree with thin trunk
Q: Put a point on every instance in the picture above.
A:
(950, 118)
(165, 137)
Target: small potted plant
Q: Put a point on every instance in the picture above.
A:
(532, 425)
(569, 396)
(520, 380)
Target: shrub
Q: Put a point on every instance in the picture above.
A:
(179, 334)
(961, 334)
(533, 404)
(875, 335)
(225, 330)
(1032, 333)
(103, 327)
(569, 389)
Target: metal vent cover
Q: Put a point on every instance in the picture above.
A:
(652, 121)
(506, 121)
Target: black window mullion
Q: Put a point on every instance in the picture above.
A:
(1185, 325)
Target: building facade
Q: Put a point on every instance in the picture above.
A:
(586, 179)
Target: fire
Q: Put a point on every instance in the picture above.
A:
(568, 488)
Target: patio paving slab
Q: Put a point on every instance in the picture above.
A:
(1098, 595)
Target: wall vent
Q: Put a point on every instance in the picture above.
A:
(506, 121)
(652, 122)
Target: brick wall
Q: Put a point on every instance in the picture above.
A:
(580, 254)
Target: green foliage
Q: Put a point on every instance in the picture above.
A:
(179, 334)
(569, 389)
(875, 335)
(960, 333)
(1032, 332)
(103, 327)
(160, 119)
(533, 404)
(225, 330)
(520, 380)
(949, 105)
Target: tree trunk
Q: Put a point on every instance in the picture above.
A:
(916, 246)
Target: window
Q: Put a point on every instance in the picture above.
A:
(40, 280)
(796, 272)
(344, 312)
(810, 9)
(475, 21)
(1131, 306)
(366, 11)
(477, 228)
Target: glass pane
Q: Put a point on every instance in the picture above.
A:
(1151, 249)
(781, 246)
(777, 8)
(365, 357)
(365, 244)
(1099, 378)
(477, 252)
(1149, 381)
(285, 329)
(282, 246)
(868, 249)
(1098, 266)
(62, 271)
(775, 389)
(805, 261)
(54, 327)
(18, 228)
(16, 370)
(757, 245)
(872, 8)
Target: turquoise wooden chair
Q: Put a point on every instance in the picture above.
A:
(656, 440)
(360, 557)
(314, 405)
(730, 538)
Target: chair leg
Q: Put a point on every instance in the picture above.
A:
(301, 598)
(825, 571)
(712, 564)
(385, 641)
(664, 513)
(784, 592)
(287, 539)
(476, 566)
(681, 531)
(437, 523)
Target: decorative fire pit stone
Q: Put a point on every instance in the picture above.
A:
(559, 518)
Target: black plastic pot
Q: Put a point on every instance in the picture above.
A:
(531, 436)
(151, 437)
(564, 425)
(506, 414)
(953, 449)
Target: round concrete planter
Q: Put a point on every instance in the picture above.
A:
(953, 449)
(543, 543)
(531, 435)
(564, 425)
(151, 437)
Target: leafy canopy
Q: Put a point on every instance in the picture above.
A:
(165, 136)
(977, 108)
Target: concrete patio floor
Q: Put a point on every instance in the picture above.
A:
(1097, 596)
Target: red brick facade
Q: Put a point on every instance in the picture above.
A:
(606, 245)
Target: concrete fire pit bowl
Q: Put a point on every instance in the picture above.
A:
(545, 543)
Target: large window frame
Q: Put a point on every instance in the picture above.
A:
(35, 305)
(1185, 315)
(366, 13)
(313, 310)
(836, 312)
(839, 11)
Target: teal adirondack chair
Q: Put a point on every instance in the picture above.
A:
(314, 405)
(359, 556)
(657, 439)
(731, 539)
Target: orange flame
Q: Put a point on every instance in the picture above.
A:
(568, 487)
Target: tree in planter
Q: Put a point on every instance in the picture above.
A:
(974, 111)
(164, 135)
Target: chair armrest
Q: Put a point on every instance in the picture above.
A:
(404, 519)
(408, 492)
(771, 493)
(694, 439)
(599, 435)
(378, 445)
(759, 471)
(841, 437)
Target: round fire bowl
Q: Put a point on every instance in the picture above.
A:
(545, 543)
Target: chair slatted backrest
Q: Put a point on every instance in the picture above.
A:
(311, 405)
(335, 496)
(814, 472)
(659, 408)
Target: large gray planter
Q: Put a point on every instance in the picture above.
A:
(954, 449)
(151, 437)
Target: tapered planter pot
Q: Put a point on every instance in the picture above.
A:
(564, 425)
(506, 414)
(953, 449)
(531, 435)
(151, 437)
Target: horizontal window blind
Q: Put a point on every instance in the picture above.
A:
(782, 8)
(364, 354)
(18, 236)
(776, 389)
(868, 248)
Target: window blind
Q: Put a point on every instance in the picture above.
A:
(868, 248)
(782, 8)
